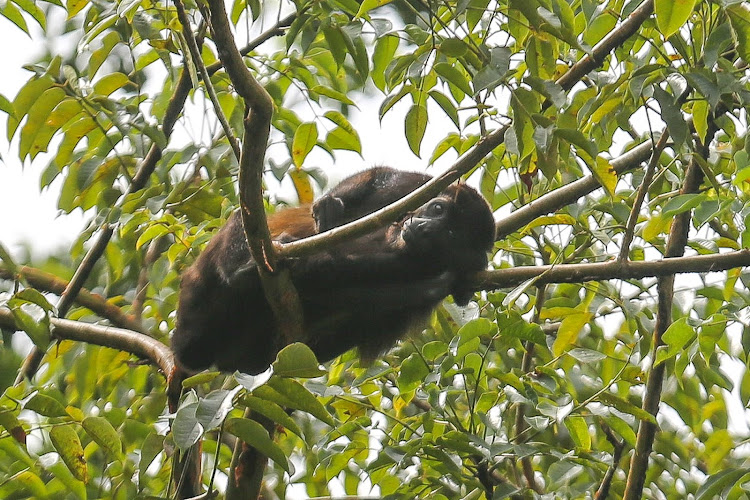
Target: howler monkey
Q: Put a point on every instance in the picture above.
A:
(361, 293)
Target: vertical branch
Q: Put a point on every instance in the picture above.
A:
(676, 242)
(277, 284)
(245, 475)
(627, 238)
(520, 423)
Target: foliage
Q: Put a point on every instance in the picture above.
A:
(534, 388)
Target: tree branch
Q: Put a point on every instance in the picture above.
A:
(48, 282)
(277, 284)
(121, 339)
(195, 54)
(613, 269)
(570, 193)
(392, 212)
(640, 196)
(676, 243)
(601, 50)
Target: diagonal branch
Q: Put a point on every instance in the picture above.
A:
(121, 339)
(392, 212)
(48, 282)
(601, 50)
(570, 193)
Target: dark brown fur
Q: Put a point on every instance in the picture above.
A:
(363, 293)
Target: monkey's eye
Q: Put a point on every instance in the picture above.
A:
(436, 208)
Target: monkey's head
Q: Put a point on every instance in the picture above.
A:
(454, 230)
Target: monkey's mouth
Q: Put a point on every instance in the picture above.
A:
(418, 232)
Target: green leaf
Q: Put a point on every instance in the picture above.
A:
(333, 94)
(151, 447)
(46, 405)
(25, 99)
(453, 47)
(587, 355)
(74, 488)
(716, 483)
(297, 360)
(340, 138)
(452, 75)
(610, 399)
(100, 55)
(186, 430)
(675, 339)
(75, 6)
(305, 138)
(109, 83)
(511, 324)
(579, 431)
(10, 423)
(682, 203)
(413, 371)
(672, 14)
(103, 434)
(6, 106)
(34, 11)
(368, 5)
(570, 327)
(66, 442)
(416, 125)
(301, 398)
(11, 13)
(28, 482)
(34, 322)
(473, 329)
(37, 123)
(739, 18)
(385, 49)
(272, 411)
(152, 232)
(549, 220)
(672, 115)
(200, 378)
(392, 99)
(252, 433)
(605, 174)
(446, 105)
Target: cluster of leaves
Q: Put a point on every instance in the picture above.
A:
(453, 412)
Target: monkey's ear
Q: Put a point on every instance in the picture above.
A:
(328, 212)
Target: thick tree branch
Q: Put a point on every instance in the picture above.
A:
(613, 269)
(121, 339)
(48, 282)
(277, 284)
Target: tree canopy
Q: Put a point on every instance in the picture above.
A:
(605, 351)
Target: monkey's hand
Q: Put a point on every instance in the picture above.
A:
(327, 211)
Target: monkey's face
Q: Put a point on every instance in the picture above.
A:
(427, 229)
(455, 230)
